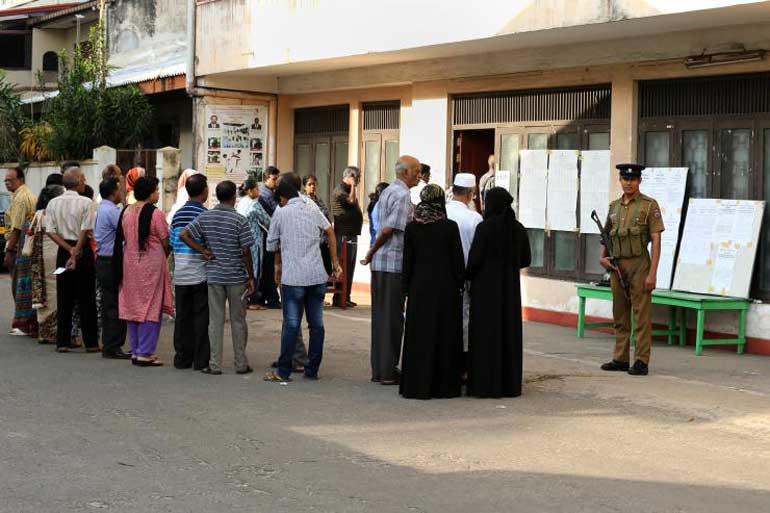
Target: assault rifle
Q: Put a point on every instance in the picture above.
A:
(607, 243)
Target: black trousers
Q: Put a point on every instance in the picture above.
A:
(76, 286)
(113, 329)
(267, 285)
(349, 263)
(191, 328)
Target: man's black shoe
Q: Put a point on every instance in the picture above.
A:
(211, 372)
(615, 365)
(639, 369)
(116, 355)
(247, 370)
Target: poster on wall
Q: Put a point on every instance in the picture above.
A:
(533, 188)
(236, 143)
(667, 186)
(594, 188)
(562, 190)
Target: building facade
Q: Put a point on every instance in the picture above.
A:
(661, 83)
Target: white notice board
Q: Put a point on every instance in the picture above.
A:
(719, 246)
(594, 188)
(666, 185)
(562, 190)
(533, 188)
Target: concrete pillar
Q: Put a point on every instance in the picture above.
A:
(104, 156)
(424, 133)
(167, 168)
(354, 134)
(623, 126)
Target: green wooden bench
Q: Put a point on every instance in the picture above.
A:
(678, 303)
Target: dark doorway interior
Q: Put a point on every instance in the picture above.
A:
(472, 149)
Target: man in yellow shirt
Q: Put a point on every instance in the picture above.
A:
(21, 210)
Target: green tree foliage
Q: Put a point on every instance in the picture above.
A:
(12, 121)
(87, 114)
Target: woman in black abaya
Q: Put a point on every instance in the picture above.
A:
(499, 251)
(432, 279)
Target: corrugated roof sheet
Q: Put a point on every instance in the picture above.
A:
(123, 77)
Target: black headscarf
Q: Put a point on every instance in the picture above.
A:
(498, 211)
(432, 205)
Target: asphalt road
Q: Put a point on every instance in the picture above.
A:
(80, 433)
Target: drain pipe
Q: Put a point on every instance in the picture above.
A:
(190, 72)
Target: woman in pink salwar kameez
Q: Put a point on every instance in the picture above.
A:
(145, 290)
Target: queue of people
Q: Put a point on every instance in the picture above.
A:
(444, 279)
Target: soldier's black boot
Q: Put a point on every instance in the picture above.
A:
(615, 365)
(639, 369)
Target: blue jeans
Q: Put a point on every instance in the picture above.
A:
(295, 300)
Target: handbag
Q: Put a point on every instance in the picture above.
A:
(29, 236)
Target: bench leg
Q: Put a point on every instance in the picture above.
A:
(581, 317)
(682, 327)
(671, 324)
(741, 331)
(699, 333)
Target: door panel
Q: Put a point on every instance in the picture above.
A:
(507, 155)
(735, 150)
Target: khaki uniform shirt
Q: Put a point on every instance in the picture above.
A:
(649, 217)
(21, 210)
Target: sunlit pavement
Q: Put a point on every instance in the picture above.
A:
(81, 433)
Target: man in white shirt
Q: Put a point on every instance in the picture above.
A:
(459, 210)
(69, 221)
(415, 191)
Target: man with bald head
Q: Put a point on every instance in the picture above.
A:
(386, 255)
(68, 220)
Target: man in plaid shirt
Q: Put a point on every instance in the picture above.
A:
(386, 256)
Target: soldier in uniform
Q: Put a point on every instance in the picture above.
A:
(633, 222)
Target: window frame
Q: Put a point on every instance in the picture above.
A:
(583, 129)
(715, 124)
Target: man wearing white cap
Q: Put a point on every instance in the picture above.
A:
(458, 210)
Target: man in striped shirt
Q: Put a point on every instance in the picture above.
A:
(227, 241)
(191, 330)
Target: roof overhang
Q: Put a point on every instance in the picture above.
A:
(65, 18)
(650, 26)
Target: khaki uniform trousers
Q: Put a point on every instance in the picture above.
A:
(634, 271)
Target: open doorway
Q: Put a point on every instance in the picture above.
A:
(472, 149)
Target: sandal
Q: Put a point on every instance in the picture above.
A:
(147, 363)
(62, 349)
(256, 307)
(274, 377)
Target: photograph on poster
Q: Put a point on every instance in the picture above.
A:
(213, 157)
(257, 173)
(256, 125)
(214, 122)
(256, 144)
(215, 143)
(256, 159)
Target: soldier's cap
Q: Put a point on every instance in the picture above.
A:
(630, 170)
